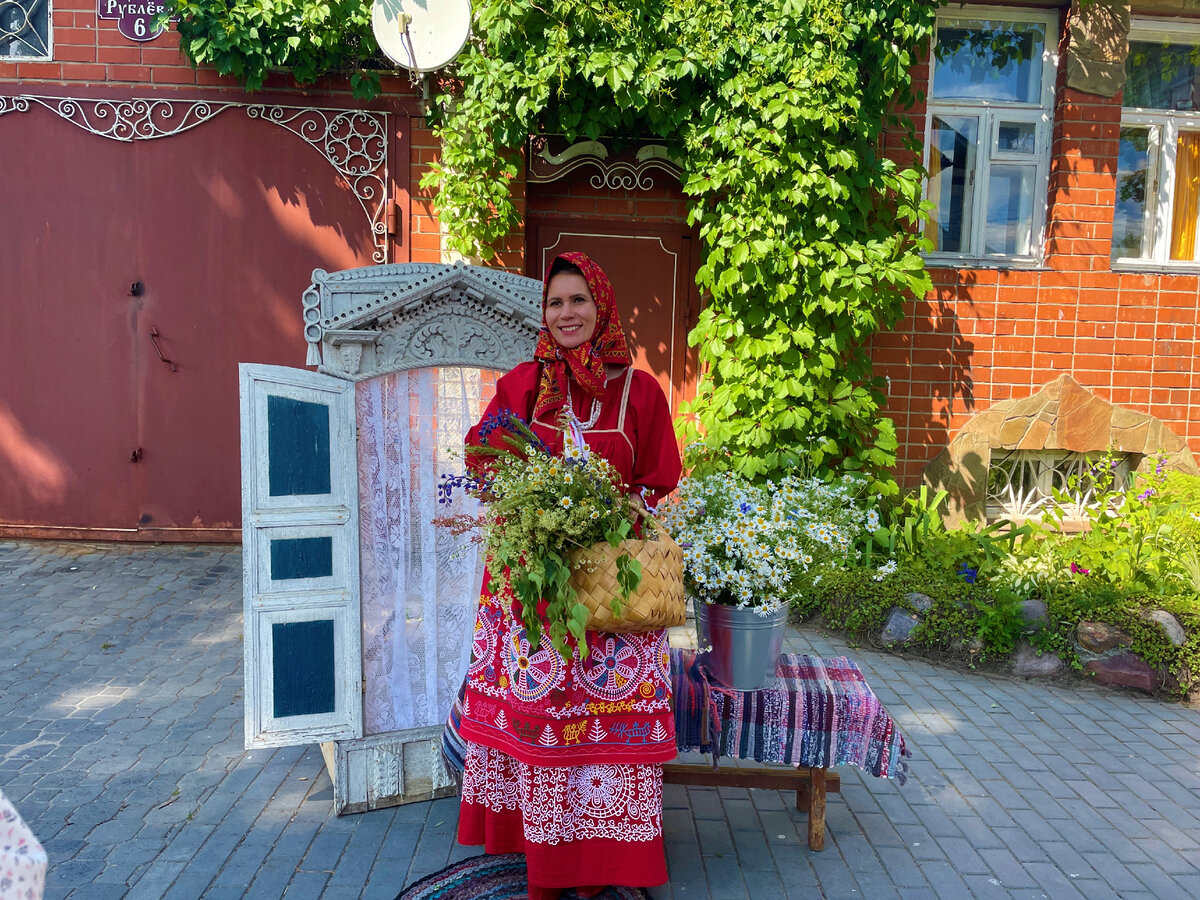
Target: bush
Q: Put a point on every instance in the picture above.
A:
(1141, 552)
(966, 621)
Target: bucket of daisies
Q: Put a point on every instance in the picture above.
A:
(749, 550)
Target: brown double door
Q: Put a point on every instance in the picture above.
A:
(653, 273)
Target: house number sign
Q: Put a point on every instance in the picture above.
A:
(135, 18)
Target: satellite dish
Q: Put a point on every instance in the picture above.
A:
(421, 35)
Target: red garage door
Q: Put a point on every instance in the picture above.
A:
(137, 275)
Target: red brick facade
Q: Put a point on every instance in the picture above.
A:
(990, 334)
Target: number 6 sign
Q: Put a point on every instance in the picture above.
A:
(135, 18)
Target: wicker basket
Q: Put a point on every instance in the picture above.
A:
(658, 601)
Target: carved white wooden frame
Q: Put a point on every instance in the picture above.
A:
(353, 141)
(365, 322)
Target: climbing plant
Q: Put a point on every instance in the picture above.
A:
(776, 110)
(248, 39)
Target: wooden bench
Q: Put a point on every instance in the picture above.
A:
(791, 746)
(810, 785)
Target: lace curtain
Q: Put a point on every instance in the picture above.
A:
(420, 583)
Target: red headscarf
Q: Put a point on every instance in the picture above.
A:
(586, 362)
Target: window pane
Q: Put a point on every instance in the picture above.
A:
(952, 159)
(1161, 76)
(1016, 137)
(1187, 188)
(978, 59)
(1133, 173)
(25, 29)
(1009, 227)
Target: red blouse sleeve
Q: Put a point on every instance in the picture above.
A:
(656, 464)
(515, 391)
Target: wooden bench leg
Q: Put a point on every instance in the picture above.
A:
(816, 809)
(811, 786)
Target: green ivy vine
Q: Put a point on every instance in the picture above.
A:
(777, 112)
(249, 39)
(776, 109)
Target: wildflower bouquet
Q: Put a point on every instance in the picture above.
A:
(750, 546)
(539, 508)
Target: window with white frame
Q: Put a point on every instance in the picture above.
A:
(987, 136)
(1158, 164)
(24, 29)
(1027, 484)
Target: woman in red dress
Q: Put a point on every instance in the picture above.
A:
(564, 759)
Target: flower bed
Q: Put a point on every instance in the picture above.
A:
(981, 594)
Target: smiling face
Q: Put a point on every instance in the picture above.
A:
(570, 310)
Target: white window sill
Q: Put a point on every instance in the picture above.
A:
(974, 262)
(1153, 266)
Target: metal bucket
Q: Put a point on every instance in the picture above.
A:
(742, 647)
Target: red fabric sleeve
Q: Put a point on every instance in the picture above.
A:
(515, 391)
(656, 464)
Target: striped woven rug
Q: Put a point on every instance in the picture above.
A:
(500, 877)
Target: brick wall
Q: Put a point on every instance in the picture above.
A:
(989, 334)
(427, 243)
(425, 239)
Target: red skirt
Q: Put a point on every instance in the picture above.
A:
(577, 825)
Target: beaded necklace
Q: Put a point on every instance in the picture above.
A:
(593, 411)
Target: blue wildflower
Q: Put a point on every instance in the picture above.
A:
(969, 573)
(451, 482)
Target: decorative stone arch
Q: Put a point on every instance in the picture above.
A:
(378, 319)
(1062, 415)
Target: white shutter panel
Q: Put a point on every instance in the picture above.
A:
(303, 643)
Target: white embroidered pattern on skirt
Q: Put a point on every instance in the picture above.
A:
(620, 802)
(491, 778)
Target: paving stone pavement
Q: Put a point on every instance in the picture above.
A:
(121, 745)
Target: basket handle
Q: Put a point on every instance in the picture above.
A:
(657, 526)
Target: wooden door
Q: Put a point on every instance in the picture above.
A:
(653, 273)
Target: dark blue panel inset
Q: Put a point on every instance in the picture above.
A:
(297, 447)
(301, 558)
(302, 667)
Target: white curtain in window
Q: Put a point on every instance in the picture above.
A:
(420, 583)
